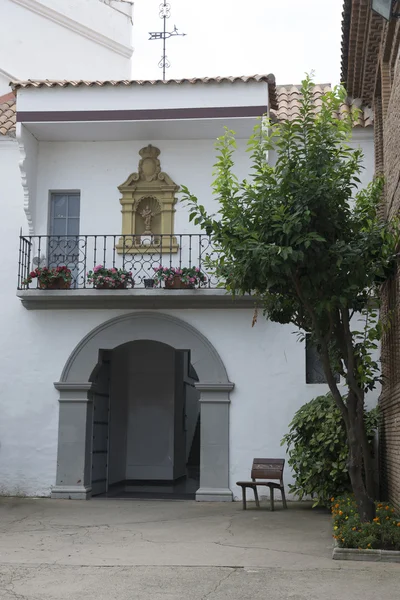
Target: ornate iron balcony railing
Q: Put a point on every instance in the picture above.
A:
(138, 254)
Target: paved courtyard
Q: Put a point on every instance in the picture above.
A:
(172, 550)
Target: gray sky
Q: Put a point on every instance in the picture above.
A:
(237, 37)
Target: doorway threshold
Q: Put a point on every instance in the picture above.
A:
(181, 489)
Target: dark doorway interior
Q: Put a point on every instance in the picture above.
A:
(153, 441)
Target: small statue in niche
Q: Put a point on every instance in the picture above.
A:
(147, 214)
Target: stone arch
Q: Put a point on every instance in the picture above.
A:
(75, 421)
(157, 327)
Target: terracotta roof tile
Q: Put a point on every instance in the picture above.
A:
(7, 114)
(288, 97)
(270, 79)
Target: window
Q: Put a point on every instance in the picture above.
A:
(64, 213)
(314, 369)
(63, 246)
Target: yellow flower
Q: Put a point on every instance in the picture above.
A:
(336, 527)
(340, 512)
(398, 524)
(386, 508)
(354, 528)
(347, 518)
(376, 520)
(332, 499)
(368, 545)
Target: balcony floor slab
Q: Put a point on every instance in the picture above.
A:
(133, 298)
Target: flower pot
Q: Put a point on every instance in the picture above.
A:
(56, 284)
(177, 284)
(149, 283)
(107, 286)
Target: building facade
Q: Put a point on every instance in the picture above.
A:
(371, 71)
(143, 384)
(65, 39)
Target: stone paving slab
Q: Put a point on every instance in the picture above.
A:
(106, 549)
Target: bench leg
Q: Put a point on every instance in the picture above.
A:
(244, 497)
(283, 497)
(256, 496)
(271, 495)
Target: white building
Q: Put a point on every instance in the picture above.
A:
(64, 39)
(104, 386)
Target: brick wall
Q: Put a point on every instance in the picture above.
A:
(388, 143)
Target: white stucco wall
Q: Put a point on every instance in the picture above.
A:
(65, 39)
(266, 363)
(96, 169)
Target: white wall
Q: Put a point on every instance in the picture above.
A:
(97, 168)
(266, 362)
(64, 39)
(5, 79)
(28, 424)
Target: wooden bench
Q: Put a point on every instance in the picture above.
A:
(265, 469)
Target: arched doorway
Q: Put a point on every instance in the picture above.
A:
(146, 423)
(78, 385)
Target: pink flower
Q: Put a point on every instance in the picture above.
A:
(197, 269)
(192, 279)
(97, 268)
(165, 269)
(113, 270)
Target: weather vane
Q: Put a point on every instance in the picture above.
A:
(165, 13)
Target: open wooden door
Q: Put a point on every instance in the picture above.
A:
(101, 425)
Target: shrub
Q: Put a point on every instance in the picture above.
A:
(102, 277)
(47, 276)
(317, 449)
(349, 532)
(189, 275)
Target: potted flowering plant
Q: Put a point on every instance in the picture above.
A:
(54, 278)
(109, 279)
(175, 278)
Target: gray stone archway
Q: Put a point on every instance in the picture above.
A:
(75, 387)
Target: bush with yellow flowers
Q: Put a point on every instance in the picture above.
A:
(382, 533)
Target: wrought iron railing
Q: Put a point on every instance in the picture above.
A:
(138, 254)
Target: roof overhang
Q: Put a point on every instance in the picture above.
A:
(131, 110)
(361, 38)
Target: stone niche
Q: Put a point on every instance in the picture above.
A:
(148, 201)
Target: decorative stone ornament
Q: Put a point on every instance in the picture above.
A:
(148, 200)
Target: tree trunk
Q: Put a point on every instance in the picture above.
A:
(367, 458)
(355, 427)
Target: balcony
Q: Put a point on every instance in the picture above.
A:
(139, 255)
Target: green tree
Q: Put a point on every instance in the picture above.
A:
(311, 254)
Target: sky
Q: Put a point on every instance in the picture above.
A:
(236, 37)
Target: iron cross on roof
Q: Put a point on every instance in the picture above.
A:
(165, 13)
